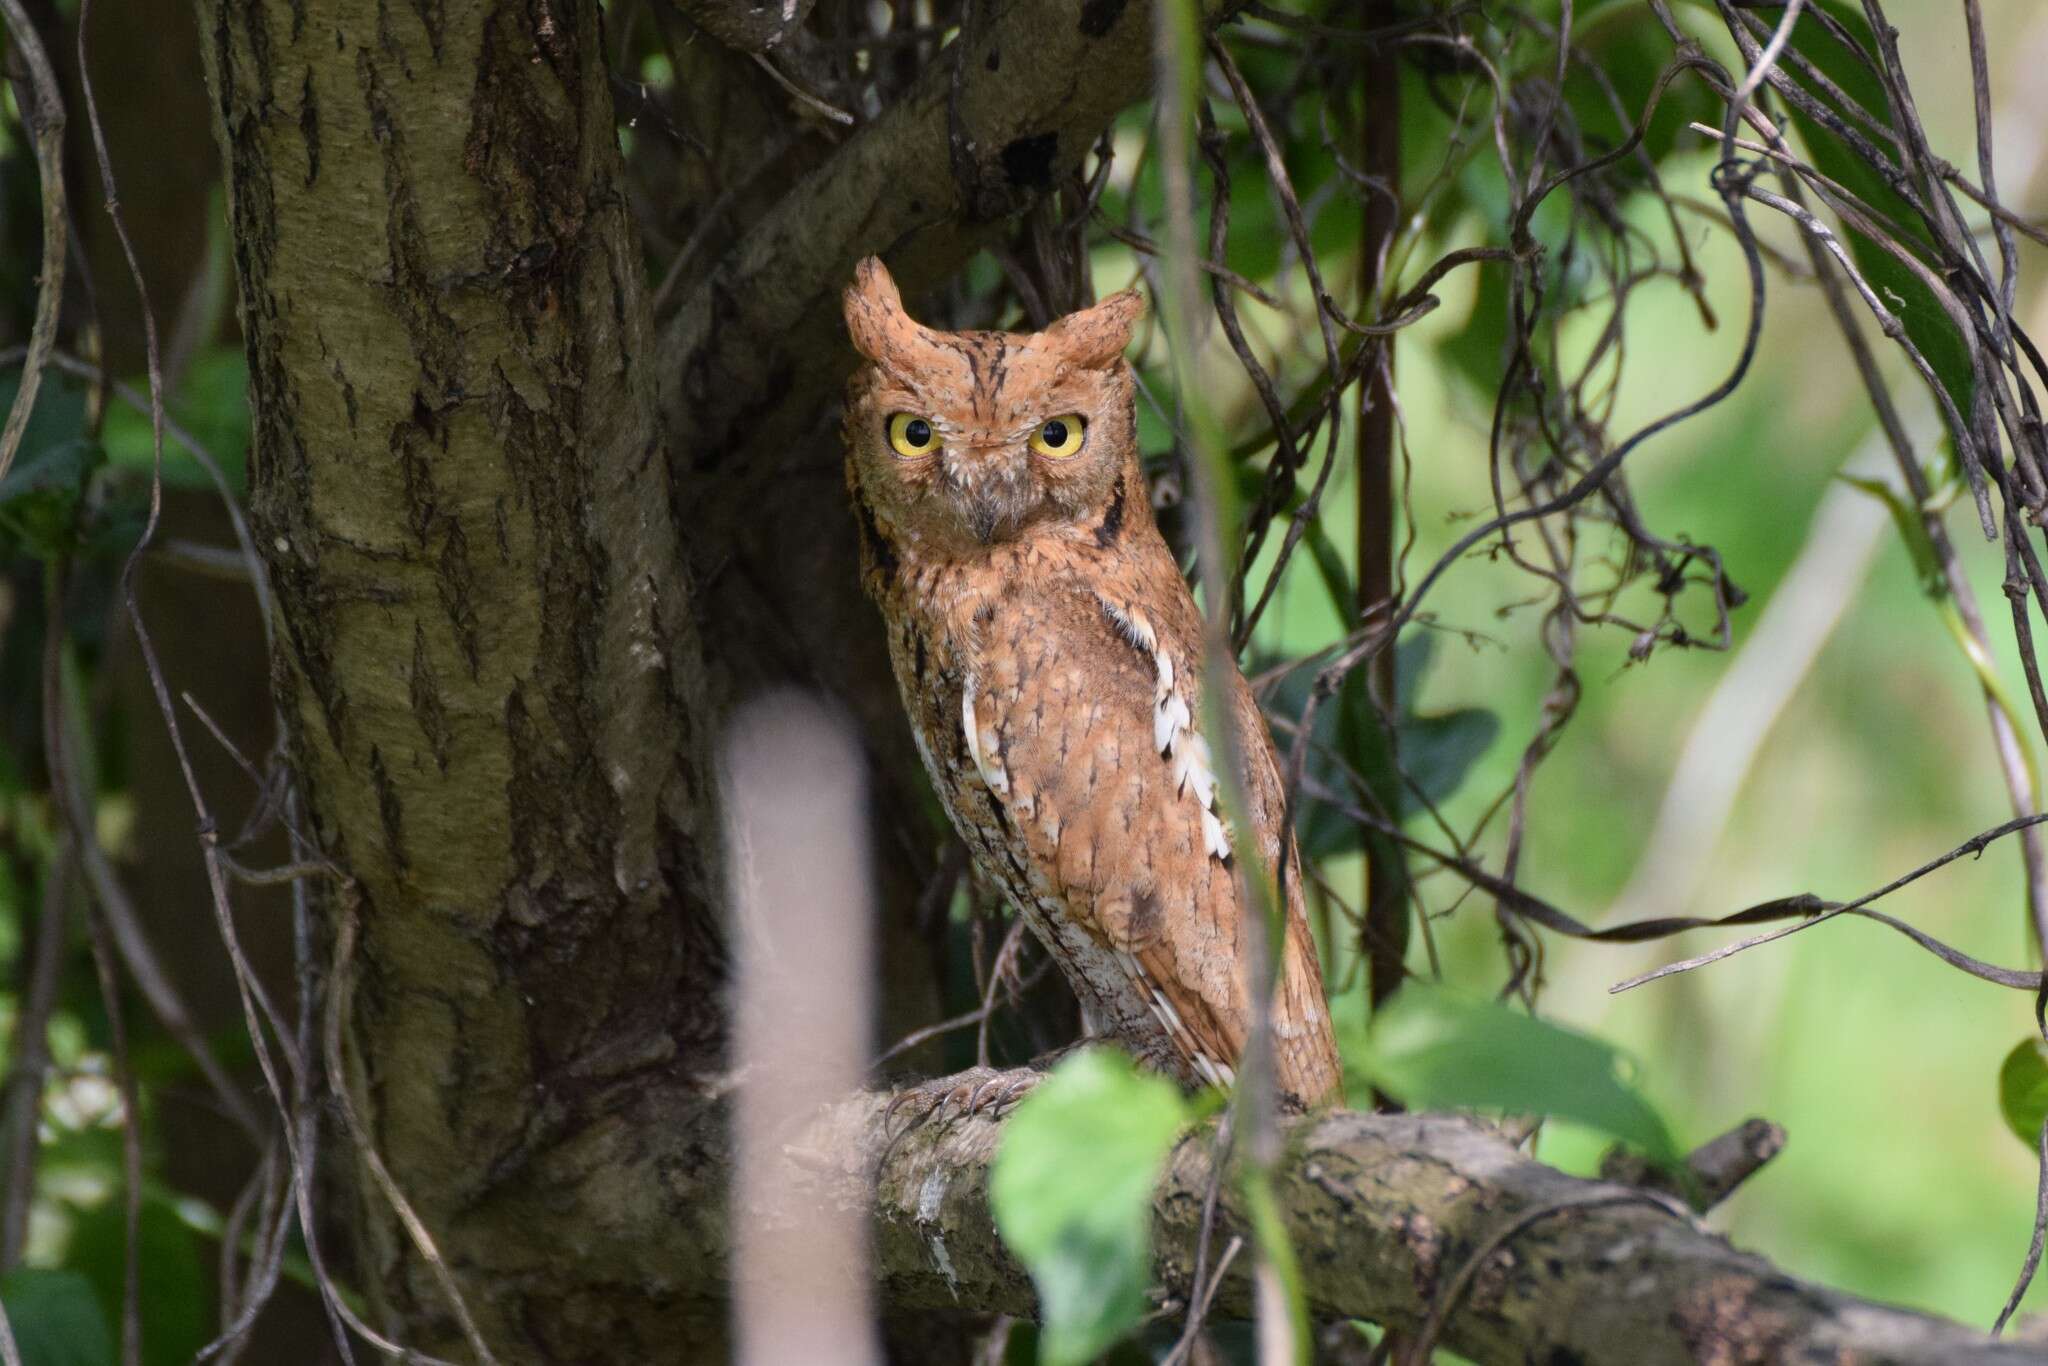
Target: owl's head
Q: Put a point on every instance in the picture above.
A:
(963, 439)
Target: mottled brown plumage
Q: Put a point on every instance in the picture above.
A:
(1049, 654)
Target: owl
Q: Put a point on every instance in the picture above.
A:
(1049, 655)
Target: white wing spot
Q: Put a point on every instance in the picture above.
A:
(982, 745)
(1173, 730)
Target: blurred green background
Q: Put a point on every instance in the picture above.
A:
(1900, 1179)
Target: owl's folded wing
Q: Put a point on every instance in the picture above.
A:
(1084, 723)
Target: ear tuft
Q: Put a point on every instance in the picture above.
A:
(874, 309)
(1095, 337)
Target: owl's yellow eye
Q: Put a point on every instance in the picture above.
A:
(911, 435)
(1060, 437)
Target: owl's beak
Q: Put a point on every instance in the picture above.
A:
(987, 487)
(983, 517)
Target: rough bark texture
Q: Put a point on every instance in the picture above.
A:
(486, 651)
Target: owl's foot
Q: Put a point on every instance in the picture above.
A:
(977, 1091)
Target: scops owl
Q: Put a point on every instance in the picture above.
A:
(1050, 657)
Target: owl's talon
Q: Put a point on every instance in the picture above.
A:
(1016, 1089)
(905, 1099)
(937, 1114)
(979, 1091)
(974, 1098)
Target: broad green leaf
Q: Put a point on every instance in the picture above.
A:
(59, 415)
(1330, 567)
(56, 1318)
(1413, 654)
(2023, 1089)
(1627, 44)
(1434, 1049)
(1478, 349)
(40, 497)
(1072, 1194)
(1322, 828)
(1437, 751)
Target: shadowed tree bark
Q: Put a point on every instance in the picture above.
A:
(488, 656)
(484, 491)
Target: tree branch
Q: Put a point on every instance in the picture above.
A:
(1386, 1211)
(759, 343)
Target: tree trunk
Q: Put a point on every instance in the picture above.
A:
(488, 657)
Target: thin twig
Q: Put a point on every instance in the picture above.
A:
(44, 114)
(2033, 1258)
(131, 1145)
(29, 1061)
(1975, 845)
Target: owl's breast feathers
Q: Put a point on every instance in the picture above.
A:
(1054, 687)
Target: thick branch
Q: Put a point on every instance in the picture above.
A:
(759, 343)
(1385, 1211)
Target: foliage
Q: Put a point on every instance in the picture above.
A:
(1434, 1049)
(43, 495)
(2023, 1089)
(1072, 1192)
(56, 1318)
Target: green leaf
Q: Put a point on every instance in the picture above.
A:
(1413, 654)
(1438, 751)
(176, 1305)
(1478, 348)
(1330, 567)
(56, 1318)
(1930, 329)
(59, 414)
(1627, 45)
(2023, 1089)
(40, 497)
(1322, 828)
(1072, 1194)
(1433, 1049)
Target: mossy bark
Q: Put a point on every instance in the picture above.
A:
(487, 654)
